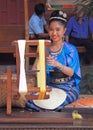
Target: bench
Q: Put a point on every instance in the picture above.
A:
(9, 33)
(81, 49)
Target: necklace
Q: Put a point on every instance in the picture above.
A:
(52, 53)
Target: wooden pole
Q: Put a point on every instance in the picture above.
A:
(9, 91)
(26, 29)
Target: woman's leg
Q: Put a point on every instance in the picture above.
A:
(72, 96)
(32, 107)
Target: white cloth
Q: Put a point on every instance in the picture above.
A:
(57, 97)
(22, 78)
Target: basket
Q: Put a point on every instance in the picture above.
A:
(31, 81)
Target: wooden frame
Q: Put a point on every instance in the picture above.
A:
(41, 87)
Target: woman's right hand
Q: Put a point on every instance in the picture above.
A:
(51, 61)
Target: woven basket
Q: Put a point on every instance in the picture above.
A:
(3, 90)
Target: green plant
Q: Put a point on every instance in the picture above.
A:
(86, 3)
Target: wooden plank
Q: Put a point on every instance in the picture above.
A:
(81, 49)
(47, 119)
(36, 117)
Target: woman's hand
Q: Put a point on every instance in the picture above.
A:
(65, 69)
(51, 61)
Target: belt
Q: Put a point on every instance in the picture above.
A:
(60, 80)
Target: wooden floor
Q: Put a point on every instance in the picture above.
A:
(21, 119)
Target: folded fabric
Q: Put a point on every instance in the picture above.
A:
(83, 102)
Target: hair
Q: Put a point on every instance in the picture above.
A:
(58, 15)
(39, 9)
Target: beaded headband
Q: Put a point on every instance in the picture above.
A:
(58, 18)
(61, 13)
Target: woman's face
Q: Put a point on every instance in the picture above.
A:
(56, 31)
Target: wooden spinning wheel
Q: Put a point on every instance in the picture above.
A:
(41, 73)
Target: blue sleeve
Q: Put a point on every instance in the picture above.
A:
(36, 27)
(91, 25)
(69, 27)
(73, 62)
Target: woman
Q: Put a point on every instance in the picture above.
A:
(64, 61)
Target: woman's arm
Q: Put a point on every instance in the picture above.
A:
(65, 69)
(34, 67)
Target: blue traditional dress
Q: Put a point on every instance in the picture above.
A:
(68, 56)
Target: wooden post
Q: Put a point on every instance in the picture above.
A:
(26, 29)
(9, 91)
